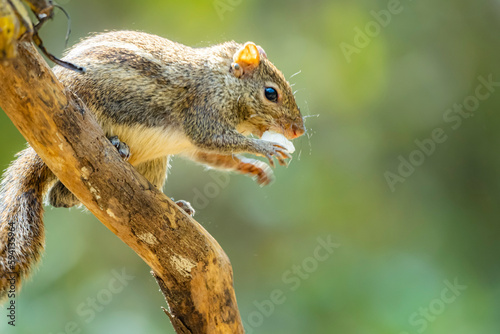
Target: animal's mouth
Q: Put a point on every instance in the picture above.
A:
(290, 129)
(290, 132)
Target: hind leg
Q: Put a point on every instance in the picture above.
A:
(156, 173)
(61, 197)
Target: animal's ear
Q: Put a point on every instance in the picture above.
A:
(246, 59)
(262, 52)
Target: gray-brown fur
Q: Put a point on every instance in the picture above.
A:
(182, 86)
(21, 210)
(161, 98)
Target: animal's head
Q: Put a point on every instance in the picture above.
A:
(271, 106)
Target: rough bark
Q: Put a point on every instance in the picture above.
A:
(191, 268)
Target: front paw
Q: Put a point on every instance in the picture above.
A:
(272, 150)
(256, 169)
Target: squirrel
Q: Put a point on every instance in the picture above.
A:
(154, 98)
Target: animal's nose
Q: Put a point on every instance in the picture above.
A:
(297, 129)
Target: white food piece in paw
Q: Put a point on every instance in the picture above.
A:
(279, 139)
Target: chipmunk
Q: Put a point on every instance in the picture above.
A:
(154, 98)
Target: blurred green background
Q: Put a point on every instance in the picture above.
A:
(376, 78)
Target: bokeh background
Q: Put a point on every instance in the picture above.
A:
(370, 95)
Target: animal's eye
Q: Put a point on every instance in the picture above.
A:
(271, 94)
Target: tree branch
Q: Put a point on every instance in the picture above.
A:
(191, 268)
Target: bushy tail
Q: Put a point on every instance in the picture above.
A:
(22, 236)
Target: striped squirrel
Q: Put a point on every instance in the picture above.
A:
(154, 98)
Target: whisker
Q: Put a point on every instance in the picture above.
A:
(309, 136)
(296, 74)
(307, 116)
(307, 106)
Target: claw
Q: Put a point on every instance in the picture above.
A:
(273, 150)
(271, 160)
(262, 176)
(286, 155)
(258, 170)
(263, 180)
(282, 155)
(186, 207)
(121, 147)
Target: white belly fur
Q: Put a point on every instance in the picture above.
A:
(150, 143)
